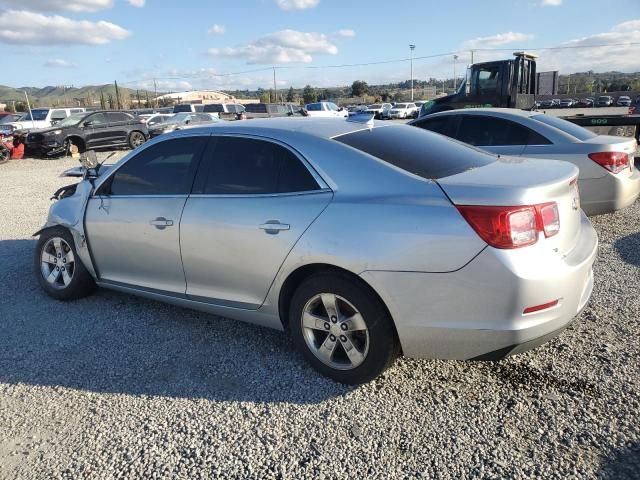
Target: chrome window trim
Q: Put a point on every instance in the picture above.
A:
(259, 195)
(140, 196)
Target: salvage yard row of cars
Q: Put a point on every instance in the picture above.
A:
(462, 235)
(588, 102)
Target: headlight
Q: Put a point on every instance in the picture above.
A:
(54, 132)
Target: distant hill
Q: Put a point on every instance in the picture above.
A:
(58, 96)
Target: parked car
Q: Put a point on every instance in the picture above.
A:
(403, 110)
(88, 130)
(268, 110)
(151, 119)
(567, 103)
(6, 127)
(604, 101)
(180, 121)
(607, 179)
(361, 242)
(634, 109)
(226, 111)
(379, 110)
(623, 101)
(356, 109)
(44, 117)
(325, 109)
(585, 102)
(550, 103)
(188, 108)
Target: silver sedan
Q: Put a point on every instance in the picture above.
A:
(608, 180)
(362, 240)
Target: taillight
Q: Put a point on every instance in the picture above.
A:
(512, 227)
(615, 162)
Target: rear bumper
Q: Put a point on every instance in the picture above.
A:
(477, 311)
(609, 193)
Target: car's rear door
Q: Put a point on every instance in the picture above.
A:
(252, 200)
(119, 126)
(132, 222)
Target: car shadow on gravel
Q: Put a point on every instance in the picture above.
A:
(629, 248)
(623, 464)
(117, 343)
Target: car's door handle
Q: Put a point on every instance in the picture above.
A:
(274, 226)
(161, 223)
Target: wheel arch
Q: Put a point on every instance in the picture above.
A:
(78, 141)
(299, 275)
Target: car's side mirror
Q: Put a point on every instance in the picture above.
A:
(467, 83)
(187, 122)
(88, 124)
(89, 159)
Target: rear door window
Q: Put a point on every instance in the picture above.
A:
(244, 166)
(118, 117)
(417, 151)
(485, 131)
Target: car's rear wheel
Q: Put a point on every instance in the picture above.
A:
(136, 139)
(58, 267)
(342, 328)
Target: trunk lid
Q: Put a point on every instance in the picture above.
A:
(609, 143)
(521, 181)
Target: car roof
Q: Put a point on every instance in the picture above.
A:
(499, 112)
(317, 127)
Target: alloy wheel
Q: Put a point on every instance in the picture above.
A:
(335, 331)
(137, 139)
(57, 263)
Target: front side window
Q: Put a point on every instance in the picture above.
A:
(244, 166)
(314, 107)
(97, 120)
(166, 168)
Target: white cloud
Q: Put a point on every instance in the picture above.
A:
(285, 46)
(217, 29)
(137, 3)
(496, 40)
(59, 63)
(28, 28)
(610, 56)
(297, 4)
(57, 5)
(551, 3)
(345, 33)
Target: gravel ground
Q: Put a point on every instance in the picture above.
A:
(115, 386)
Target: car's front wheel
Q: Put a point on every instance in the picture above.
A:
(342, 328)
(58, 267)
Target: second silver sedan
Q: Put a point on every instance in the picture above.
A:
(607, 181)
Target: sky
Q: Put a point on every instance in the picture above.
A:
(235, 44)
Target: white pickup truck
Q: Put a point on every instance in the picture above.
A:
(44, 117)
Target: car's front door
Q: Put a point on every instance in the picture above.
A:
(132, 222)
(251, 202)
(96, 130)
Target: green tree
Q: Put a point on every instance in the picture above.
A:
(359, 88)
(309, 94)
(291, 96)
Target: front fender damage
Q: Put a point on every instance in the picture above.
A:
(68, 212)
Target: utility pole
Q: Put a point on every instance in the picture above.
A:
(471, 57)
(455, 80)
(275, 86)
(117, 95)
(33, 124)
(412, 47)
(155, 90)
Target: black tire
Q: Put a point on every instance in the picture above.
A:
(81, 282)
(136, 139)
(5, 154)
(383, 346)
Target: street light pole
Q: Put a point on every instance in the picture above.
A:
(412, 48)
(455, 83)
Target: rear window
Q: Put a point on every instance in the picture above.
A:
(215, 107)
(417, 151)
(256, 108)
(567, 127)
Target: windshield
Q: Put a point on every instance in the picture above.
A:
(71, 120)
(375, 105)
(401, 105)
(567, 127)
(39, 113)
(603, 98)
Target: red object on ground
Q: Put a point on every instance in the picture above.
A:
(17, 152)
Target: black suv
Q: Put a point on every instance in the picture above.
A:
(88, 131)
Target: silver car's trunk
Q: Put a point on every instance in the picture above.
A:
(608, 143)
(521, 181)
